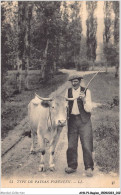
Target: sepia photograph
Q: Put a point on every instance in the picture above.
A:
(60, 94)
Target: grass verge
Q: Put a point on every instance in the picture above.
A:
(105, 119)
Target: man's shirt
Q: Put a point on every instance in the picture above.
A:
(87, 103)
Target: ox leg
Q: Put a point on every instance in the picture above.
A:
(41, 143)
(52, 149)
(42, 162)
(51, 160)
(32, 149)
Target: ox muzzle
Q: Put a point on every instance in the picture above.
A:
(61, 123)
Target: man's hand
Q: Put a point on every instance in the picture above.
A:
(82, 96)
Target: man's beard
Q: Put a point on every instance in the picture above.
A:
(76, 86)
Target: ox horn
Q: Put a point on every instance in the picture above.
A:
(44, 99)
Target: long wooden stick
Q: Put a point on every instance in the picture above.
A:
(91, 80)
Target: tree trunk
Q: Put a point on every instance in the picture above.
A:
(27, 47)
(117, 71)
(4, 58)
(28, 14)
(75, 60)
(54, 67)
(106, 68)
(56, 59)
(20, 52)
(27, 74)
(44, 62)
(93, 65)
(19, 76)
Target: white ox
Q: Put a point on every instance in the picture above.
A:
(47, 119)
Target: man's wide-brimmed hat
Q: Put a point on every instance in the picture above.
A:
(75, 76)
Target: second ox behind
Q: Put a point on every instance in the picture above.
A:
(47, 118)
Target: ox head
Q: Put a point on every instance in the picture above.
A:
(58, 109)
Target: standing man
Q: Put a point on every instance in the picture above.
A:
(79, 125)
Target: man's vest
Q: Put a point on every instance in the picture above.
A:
(85, 116)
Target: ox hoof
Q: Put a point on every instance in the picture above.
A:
(52, 167)
(32, 152)
(42, 168)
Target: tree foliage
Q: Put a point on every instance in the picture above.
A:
(91, 30)
(46, 35)
(116, 21)
(111, 50)
(116, 34)
(24, 39)
(111, 53)
(71, 34)
(5, 49)
(107, 21)
(76, 29)
(45, 39)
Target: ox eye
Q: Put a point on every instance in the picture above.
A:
(53, 107)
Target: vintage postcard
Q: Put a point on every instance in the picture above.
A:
(60, 95)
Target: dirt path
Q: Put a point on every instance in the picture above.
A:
(20, 169)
